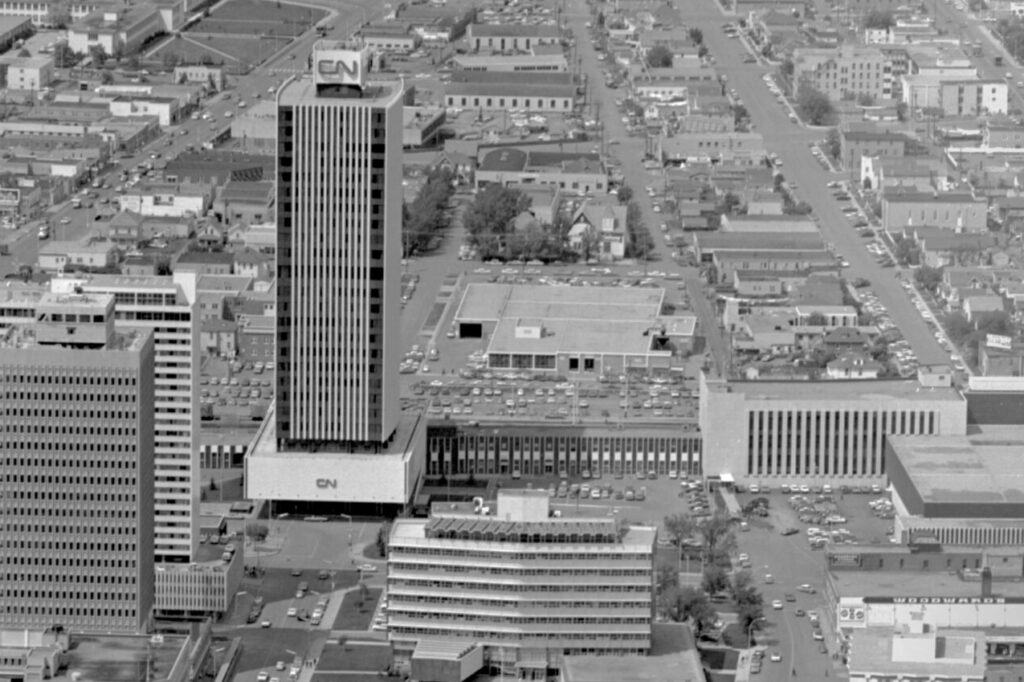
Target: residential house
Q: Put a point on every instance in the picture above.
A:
(205, 262)
(69, 256)
(26, 73)
(219, 337)
(853, 365)
(545, 200)
(995, 361)
(599, 229)
(247, 202)
(845, 339)
(211, 237)
(826, 315)
(254, 264)
(980, 306)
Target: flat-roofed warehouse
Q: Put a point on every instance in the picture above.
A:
(966, 489)
(597, 330)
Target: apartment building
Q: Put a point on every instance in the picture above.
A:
(166, 307)
(846, 71)
(529, 587)
(76, 439)
(958, 211)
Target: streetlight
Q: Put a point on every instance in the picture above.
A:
(750, 630)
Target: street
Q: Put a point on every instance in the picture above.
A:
(792, 144)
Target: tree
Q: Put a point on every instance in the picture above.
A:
(640, 243)
(625, 194)
(666, 577)
(170, 60)
(998, 322)
(684, 603)
(488, 220)
(788, 68)
(213, 484)
(697, 36)
(958, 327)
(98, 55)
(814, 105)
(679, 527)
(866, 99)
(719, 540)
(383, 533)
(106, 78)
(907, 251)
(729, 204)
(163, 265)
(59, 17)
(659, 56)
(739, 114)
(714, 579)
(834, 144)
(24, 53)
(64, 56)
(879, 19)
(816, 320)
(426, 216)
(257, 532)
(928, 278)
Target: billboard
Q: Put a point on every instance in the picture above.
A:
(999, 341)
(10, 197)
(340, 67)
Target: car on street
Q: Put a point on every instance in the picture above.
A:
(789, 531)
(775, 657)
(265, 624)
(367, 568)
(292, 612)
(800, 613)
(777, 605)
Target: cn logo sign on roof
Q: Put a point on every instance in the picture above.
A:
(345, 67)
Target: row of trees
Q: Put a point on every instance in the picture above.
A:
(1011, 31)
(718, 541)
(425, 216)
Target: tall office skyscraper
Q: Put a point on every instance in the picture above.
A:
(339, 194)
(337, 435)
(167, 307)
(76, 456)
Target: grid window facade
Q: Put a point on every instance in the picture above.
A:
(339, 218)
(75, 489)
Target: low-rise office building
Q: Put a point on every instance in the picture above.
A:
(573, 174)
(26, 73)
(793, 432)
(203, 588)
(41, 12)
(450, 577)
(517, 63)
(392, 36)
(517, 37)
